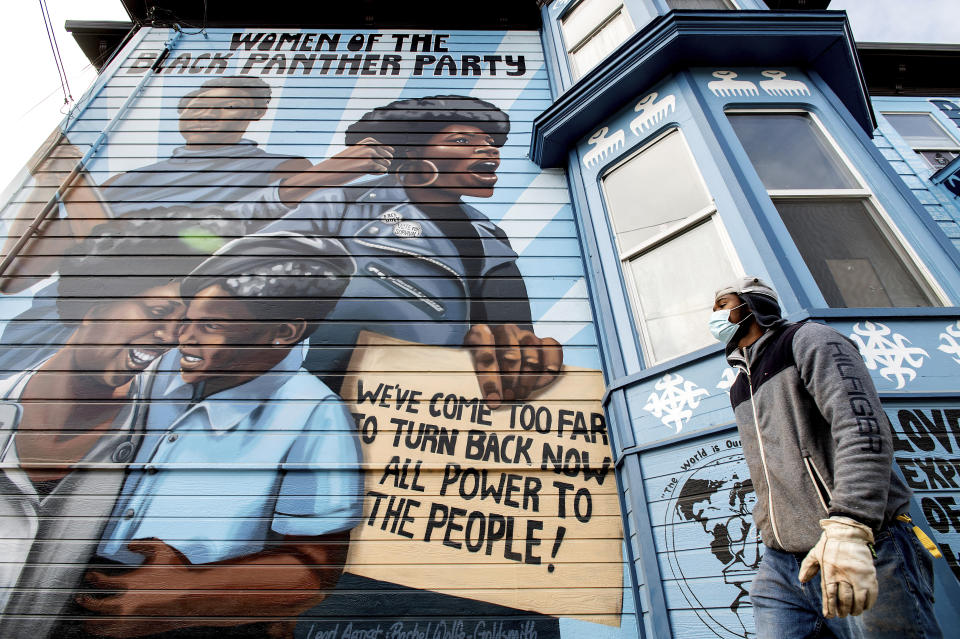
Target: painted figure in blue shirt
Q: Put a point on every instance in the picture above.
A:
(248, 460)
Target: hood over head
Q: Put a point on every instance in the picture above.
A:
(760, 299)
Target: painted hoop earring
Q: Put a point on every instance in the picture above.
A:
(404, 175)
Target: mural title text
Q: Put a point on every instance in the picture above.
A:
(271, 53)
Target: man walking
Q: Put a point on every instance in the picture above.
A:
(820, 453)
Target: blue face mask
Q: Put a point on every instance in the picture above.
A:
(720, 326)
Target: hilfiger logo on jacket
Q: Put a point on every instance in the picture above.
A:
(813, 433)
(868, 426)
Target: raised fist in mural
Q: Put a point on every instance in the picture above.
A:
(366, 157)
(54, 160)
(511, 362)
(50, 166)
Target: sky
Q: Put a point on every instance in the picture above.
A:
(35, 100)
(34, 103)
(927, 21)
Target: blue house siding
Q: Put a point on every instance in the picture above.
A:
(684, 461)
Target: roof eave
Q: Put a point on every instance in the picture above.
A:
(819, 41)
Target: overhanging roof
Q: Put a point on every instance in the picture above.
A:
(817, 40)
(98, 39)
(927, 70)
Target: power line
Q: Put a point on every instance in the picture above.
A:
(87, 66)
(52, 38)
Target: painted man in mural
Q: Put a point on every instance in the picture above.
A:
(819, 448)
(443, 272)
(216, 166)
(65, 460)
(216, 163)
(267, 489)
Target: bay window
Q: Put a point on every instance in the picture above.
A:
(855, 256)
(673, 249)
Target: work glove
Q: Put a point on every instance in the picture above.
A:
(844, 558)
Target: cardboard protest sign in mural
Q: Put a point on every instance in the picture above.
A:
(178, 450)
(527, 488)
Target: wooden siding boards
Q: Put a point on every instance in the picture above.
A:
(306, 118)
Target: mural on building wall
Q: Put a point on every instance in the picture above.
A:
(305, 351)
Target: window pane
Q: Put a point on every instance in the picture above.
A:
(937, 159)
(601, 43)
(584, 18)
(789, 152)
(697, 4)
(920, 131)
(675, 282)
(653, 191)
(848, 255)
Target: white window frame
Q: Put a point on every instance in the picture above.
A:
(885, 224)
(572, 48)
(682, 226)
(954, 148)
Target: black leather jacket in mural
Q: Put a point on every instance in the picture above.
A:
(413, 281)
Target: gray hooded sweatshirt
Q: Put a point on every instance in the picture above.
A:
(814, 434)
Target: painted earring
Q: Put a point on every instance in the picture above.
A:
(405, 173)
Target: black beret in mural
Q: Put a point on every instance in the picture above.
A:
(276, 265)
(398, 123)
(251, 87)
(124, 258)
